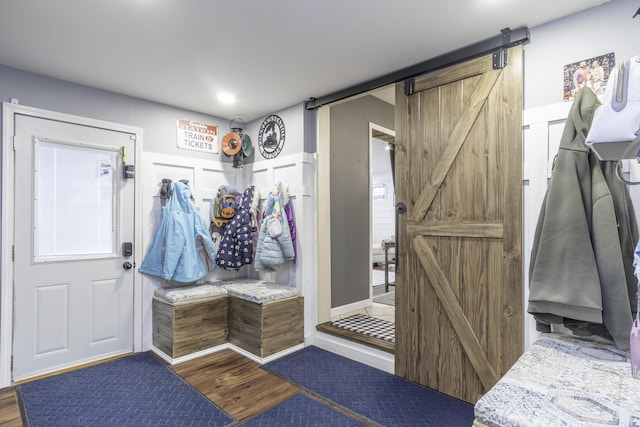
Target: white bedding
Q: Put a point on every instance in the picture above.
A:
(564, 381)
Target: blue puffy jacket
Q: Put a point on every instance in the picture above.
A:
(272, 252)
(182, 249)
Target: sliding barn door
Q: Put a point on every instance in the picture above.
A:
(459, 321)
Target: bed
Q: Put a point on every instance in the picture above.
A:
(564, 380)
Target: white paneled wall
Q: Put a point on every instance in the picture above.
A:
(542, 128)
(205, 176)
(297, 172)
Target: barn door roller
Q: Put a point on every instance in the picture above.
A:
(500, 56)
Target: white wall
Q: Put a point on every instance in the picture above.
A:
(382, 210)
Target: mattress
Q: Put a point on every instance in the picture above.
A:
(564, 381)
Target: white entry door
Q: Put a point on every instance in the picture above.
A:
(73, 210)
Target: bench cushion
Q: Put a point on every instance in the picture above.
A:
(564, 380)
(191, 292)
(258, 291)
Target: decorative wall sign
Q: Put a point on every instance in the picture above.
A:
(271, 137)
(197, 136)
(592, 72)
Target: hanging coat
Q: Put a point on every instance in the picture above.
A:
(274, 250)
(236, 244)
(182, 249)
(577, 274)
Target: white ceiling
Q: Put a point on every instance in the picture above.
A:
(270, 53)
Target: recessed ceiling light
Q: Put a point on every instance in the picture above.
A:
(226, 98)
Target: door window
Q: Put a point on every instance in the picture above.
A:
(74, 213)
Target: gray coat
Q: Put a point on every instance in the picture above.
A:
(581, 272)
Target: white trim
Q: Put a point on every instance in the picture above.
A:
(6, 264)
(226, 346)
(263, 360)
(6, 281)
(178, 360)
(321, 287)
(360, 353)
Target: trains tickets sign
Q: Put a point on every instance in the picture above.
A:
(197, 136)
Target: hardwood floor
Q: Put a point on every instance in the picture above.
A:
(9, 410)
(233, 382)
(236, 384)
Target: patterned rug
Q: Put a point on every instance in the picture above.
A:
(374, 394)
(374, 327)
(133, 391)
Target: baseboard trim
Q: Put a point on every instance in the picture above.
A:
(360, 353)
(227, 346)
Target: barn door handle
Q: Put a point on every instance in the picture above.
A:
(401, 209)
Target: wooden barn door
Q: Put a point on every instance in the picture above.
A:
(459, 316)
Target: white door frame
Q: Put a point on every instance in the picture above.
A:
(9, 111)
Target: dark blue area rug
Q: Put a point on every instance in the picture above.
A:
(301, 410)
(133, 391)
(372, 393)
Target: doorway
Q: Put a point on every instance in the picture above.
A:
(382, 219)
(373, 321)
(348, 251)
(71, 280)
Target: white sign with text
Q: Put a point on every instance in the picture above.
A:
(197, 136)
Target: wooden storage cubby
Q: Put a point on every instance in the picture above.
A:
(183, 328)
(266, 328)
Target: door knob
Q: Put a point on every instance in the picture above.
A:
(127, 265)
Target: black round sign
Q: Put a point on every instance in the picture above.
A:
(271, 137)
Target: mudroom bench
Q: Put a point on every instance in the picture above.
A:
(564, 380)
(249, 315)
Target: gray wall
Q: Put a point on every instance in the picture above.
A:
(158, 121)
(350, 244)
(593, 32)
(296, 121)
